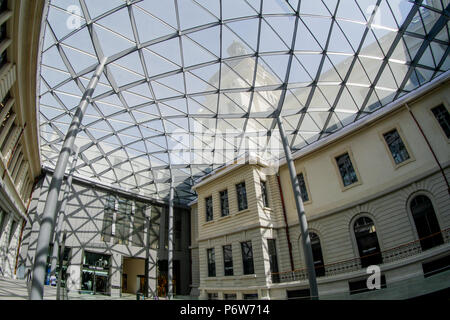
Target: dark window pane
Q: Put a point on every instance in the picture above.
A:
(209, 208)
(303, 190)
(427, 225)
(273, 260)
(367, 241)
(241, 196)
(443, 117)
(396, 146)
(229, 296)
(3, 59)
(250, 296)
(247, 257)
(264, 194)
(211, 263)
(224, 203)
(139, 225)
(317, 254)
(346, 169)
(3, 32)
(228, 260)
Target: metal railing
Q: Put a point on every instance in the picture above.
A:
(390, 255)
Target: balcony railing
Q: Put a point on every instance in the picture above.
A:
(390, 255)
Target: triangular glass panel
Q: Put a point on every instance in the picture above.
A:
(427, 58)
(228, 106)
(247, 30)
(358, 75)
(329, 74)
(162, 92)
(236, 9)
(358, 94)
(350, 10)
(346, 103)
(232, 45)
(370, 47)
(209, 74)
(305, 41)
(194, 54)
(157, 64)
(319, 27)
(292, 103)
(269, 40)
(284, 27)
(338, 41)
(298, 74)
(208, 39)
(123, 76)
(387, 79)
(372, 66)
(310, 62)
(342, 63)
(315, 8)
(188, 9)
(230, 78)
(196, 85)
(164, 10)
(53, 59)
(148, 27)
(110, 42)
(79, 60)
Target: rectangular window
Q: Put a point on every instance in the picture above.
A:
(224, 203)
(139, 225)
(247, 257)
(443, 117)
(108, 218)
(123, 221)
(213, 296)
(229, 296)
(2, 32)
(3, 59)
(396, 146)
(228, 260)
(273, 260)
(12, 230)
(209, 208)
(264, 194)
(3, 5)
(303, 190)
(250, 296)
(211, 262)
(346, 169)
(241, 196)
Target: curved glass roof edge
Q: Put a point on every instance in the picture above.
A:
(192, 85)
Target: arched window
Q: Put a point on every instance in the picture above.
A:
(317, 254)
(427, 225)
(367, 241)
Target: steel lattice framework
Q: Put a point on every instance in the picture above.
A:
(192, 84)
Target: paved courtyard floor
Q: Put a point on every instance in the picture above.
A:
(18, 290)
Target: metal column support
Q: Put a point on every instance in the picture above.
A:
(62, 216)
(50, 210)
(306, 241)
(170, 238)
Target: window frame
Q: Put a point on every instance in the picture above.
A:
(302, 171)
(206, 209)
(404, 141)
(355, 168)
(443, 103)
(237, 196)
(221, 203)
(224, 261)
(246, 259)
(264, 193)
(211, 264)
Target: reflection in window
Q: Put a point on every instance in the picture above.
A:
(264, 194)
(224, 203)
(209, 208)
(211, 262)
(346, 169)
(247, 257)
(427, 225)
(241, 196)
(367, 241)
(396, 146)
(302, 184)
(317, 254)
(228, 260)
(443, 117)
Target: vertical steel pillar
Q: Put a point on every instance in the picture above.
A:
(170, 238)
(306, 241)
(50, 210)
(62, 216)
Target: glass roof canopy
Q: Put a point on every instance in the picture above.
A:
(192, 84)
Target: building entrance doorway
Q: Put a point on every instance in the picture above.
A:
(133, 275)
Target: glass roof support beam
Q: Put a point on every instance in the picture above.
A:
(61, 216)
(50, 209)
(306, 241)
(170, 240)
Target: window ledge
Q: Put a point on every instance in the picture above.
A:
(242, 211)
(401, 164)
(208, 223)
(354, 184)
(224, 217)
